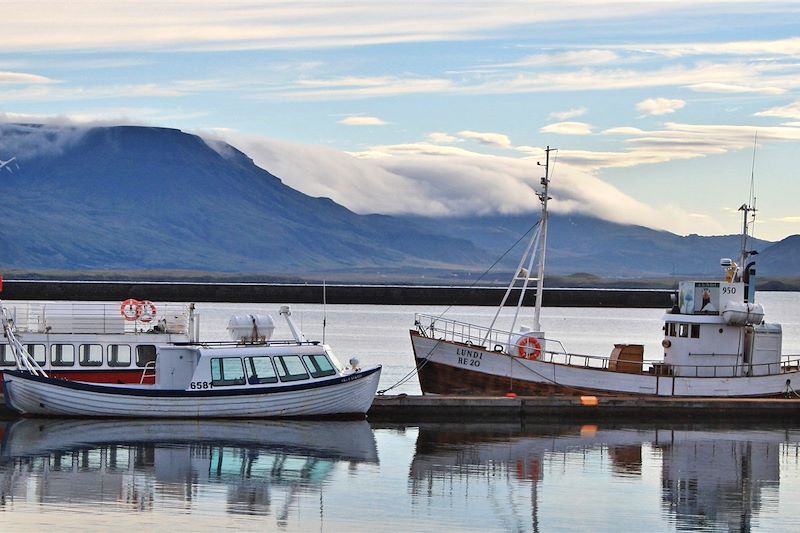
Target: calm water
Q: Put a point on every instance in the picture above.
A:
(347, 476)
(351, 476)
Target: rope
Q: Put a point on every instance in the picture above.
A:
(410, 374)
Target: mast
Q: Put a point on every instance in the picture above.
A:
(543, 197)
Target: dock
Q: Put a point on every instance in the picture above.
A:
(473, 409)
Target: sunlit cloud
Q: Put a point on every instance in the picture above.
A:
(566, 115)
(729, 88)
(443, 138)
(788, 111)
(8, 78)
(623, 130)
(490, 139)
(568, 128)
(659, 106)
(362, 121)
(570, 58)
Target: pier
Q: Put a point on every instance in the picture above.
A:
(472, 409)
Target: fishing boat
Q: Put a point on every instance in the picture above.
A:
(101, 342)
(253, 376)
(715, 342)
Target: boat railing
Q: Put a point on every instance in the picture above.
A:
(498, 341)
(149, 367)
(94, 317)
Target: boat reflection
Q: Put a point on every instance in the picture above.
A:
(262, 467)
(710, 479)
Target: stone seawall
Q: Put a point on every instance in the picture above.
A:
(335, 294)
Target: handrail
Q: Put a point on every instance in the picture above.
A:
(471, 334)
(23, 359)
(149, 365)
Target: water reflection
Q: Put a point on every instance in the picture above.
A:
(709, 479)
(261, 467)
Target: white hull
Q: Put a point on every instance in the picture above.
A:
(349, 395)
(455, 368)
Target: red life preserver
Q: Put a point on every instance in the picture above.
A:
(130, 309)
(529, 348)
(148, 311)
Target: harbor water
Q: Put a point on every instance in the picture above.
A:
(133, 475)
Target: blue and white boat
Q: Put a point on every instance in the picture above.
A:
(250, 377)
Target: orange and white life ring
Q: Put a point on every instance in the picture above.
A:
(148, 311)
(529, 348)
(130, 309)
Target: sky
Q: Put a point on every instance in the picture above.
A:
(662, 111)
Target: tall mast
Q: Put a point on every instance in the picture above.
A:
(543, 197)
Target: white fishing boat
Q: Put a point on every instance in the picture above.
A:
(101, 342)
(251, 377)
(715, 343)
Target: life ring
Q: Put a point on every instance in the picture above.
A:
(148, 311)
(130, 309)
(529, 348)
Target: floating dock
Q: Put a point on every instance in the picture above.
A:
(473, 409)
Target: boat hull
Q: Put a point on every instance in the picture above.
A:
(451, 368)
(349, 395)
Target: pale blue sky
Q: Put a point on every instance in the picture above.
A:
(444, 107)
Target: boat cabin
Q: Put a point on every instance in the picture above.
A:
(234, 365)
(713, 331)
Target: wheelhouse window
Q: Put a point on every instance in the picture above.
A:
(145, 353)
(38, 352)
(683, 330)
(260, 370)
(670, 329)
(119, 355)
(227, 371)
(62, 354)
(7, 355)
(290, 368)
(90, 355)
(319, 365)
(695, 334)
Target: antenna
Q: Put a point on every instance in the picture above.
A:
(324, 309)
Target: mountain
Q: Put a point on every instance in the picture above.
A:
(578, 243)
(139, 199)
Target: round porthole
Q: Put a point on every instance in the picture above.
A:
(720, 330)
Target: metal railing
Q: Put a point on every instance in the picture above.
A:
(498, 341)
(93, 317)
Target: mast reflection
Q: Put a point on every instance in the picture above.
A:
(716, 478)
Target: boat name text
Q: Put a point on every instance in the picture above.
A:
(469, 357)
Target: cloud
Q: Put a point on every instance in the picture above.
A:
(659, 106)
(489, 139)
(362, 121)
(28, 140)
(569, 58)
(729, 88)
(623, 130)
(568, 128)
(442, 138)
(7, 78)
(788, 111)
(564, 115)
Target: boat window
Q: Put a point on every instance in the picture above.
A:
(119, 355)
(90, 355)
(319, 365)
(695, 331)
(260, 370)
(683, 330)
(145, 353)
(7, 356)
(38, 352)
(226, 371)
(671, 329)
(290, 368)
(62, 354)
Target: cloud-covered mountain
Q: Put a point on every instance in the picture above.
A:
(130, 198)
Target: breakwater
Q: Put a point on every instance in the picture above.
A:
(334, 293)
